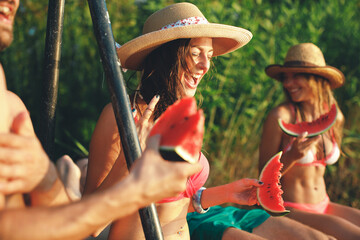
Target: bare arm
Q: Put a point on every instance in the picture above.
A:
(107, 163)
(4, 118)
(74, 221)
(104, 150)
(271, 138)
(24, 163)
(79, 219)
(241, 192)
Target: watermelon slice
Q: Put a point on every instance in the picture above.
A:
(269, 195)
(314, 128)
(181, 128)
(178, 110)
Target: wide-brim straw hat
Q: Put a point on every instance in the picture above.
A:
(180, 20)
(307, 58)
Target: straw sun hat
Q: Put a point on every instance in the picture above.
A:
(180, 20)
(307, 58)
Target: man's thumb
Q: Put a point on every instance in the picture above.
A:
(22, 124)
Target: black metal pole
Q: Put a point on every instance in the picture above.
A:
(121, 105)
(48, 103)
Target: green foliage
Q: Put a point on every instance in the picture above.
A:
(235, 98)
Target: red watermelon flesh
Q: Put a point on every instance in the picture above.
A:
(314, 128)
(181, 129)
(178, 110)
(269, 195)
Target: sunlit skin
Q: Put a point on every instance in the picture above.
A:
(108, 162)
(298, 87)
(8, 10)
(173, 214)
(301, 183)
(27, 169)
(201, 52)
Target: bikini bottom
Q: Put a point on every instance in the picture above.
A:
(320, 207)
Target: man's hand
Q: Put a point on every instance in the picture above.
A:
(158, 178)
(24, 165)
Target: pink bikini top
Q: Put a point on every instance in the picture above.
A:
(194, 183)
(310, 159)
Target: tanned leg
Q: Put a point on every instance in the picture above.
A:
(348, 213)
(283, 228)
(237, 234)
(332, 225)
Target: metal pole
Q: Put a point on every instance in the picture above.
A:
(51, 75)
(121, 105)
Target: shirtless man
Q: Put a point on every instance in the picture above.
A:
(26, 169)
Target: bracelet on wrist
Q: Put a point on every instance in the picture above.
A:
(196, 201)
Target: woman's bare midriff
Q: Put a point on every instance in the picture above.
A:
(304, 184)
(172, 218)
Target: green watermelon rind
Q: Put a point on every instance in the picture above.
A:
(272, 212)
(283, 127)
(277, 214)
(176, 153)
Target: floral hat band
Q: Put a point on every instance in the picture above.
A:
(179, 21)
(186, 21)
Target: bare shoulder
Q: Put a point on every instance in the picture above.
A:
(282, 111)
(108, 109)
(340, 117)
(107, 117)
(15, 104)
(106, 124)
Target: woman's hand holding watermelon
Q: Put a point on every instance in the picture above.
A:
(144, 123)
(243, 191)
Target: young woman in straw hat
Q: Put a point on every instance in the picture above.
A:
(174, 54)
(308, 84)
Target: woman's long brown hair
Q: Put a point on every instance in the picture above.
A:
(161, 74)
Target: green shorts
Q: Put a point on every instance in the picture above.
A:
(212, 224)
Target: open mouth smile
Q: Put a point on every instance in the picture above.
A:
(5, 14)
(192, 81)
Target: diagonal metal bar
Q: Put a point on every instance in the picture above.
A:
(121, 105)
(48, 103)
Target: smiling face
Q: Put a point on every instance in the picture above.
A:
(298, 86)
(201, 52)
(8, 10)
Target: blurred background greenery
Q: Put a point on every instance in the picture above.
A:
(236, 97)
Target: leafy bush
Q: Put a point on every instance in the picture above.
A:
(236, 97)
